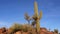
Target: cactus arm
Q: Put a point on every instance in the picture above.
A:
(40, 16)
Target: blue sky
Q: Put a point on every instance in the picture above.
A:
(12, 11)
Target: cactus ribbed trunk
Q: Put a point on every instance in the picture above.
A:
(37, 17)
(38, 26)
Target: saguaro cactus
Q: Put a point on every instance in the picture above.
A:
(37, 17)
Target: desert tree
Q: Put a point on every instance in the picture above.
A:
(27, 17)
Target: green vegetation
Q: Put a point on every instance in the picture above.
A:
(15, 27)
(36, 17)
(27, 17)
(35, 20)
(18, 27)
(56, 31)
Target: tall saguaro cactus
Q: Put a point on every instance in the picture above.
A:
(37, 17)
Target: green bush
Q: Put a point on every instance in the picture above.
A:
(15, 27)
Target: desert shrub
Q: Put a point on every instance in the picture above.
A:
(25, 28)
(30, 33)
(15, 27)
(3, 29)
(18, 27)
(56, 30)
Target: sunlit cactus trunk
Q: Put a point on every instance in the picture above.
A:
(38, 26)
(37, 17)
